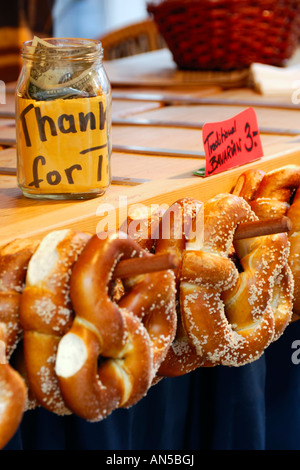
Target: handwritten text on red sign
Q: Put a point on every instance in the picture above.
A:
(231, 143)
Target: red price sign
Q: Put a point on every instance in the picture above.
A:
(231, 143)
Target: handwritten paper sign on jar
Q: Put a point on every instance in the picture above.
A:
(63, 104)
(231, 143)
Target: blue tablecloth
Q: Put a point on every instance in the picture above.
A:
(254, 407)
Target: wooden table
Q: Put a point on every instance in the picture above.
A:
(151, 175)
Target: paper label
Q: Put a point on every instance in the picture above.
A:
(62, 145)
(231, 143)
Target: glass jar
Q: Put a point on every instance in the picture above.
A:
(63, 120)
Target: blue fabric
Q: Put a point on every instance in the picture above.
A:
(283, 392)
(254, 407)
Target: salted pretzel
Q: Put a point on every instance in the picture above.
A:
(277, 195)
(183, 218)
(108, 359)
(167, 234)
(14, 258)
(228, 314)
(146, 226)
(273, 196)
(46, 312)
(150, 298)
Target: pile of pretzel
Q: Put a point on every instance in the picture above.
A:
(74, 338)
(69, 342)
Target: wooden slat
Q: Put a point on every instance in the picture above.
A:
(8, 157)
(138, 168)
(158, 152)
(142, 122)
(7, 135)
(208, 101)
(7, 109)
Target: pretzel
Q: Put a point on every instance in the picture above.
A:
(167, 234)
(176, 226)
(107, 359)
(156, 231)
(46, 313)
(228, 315)
(14, 258)
(278, 195)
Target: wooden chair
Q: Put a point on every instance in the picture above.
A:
(132, 39)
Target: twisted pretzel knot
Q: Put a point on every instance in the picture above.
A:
(175, 233)
(46, 313)
(14, 258)
(276, 194)
(131, 339)
(231, 315)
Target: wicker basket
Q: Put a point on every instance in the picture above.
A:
(228, 34)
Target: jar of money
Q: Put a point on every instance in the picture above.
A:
(63, 120)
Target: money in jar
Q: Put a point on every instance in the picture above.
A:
(63, 120)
